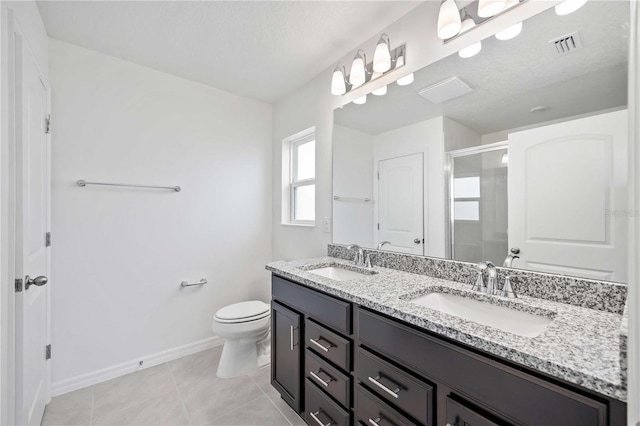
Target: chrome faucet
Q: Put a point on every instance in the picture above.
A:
(358, 260)
(507, 288)
(479, 284)
(383, 243)
(513, 255)
(492, 282)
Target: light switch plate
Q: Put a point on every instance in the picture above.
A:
(326, 225)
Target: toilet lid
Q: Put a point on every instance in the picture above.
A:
(243, 311)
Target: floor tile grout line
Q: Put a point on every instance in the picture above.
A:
(139, 402)
(184, 407)
(93, 401)
(239, 407)
(269, 399)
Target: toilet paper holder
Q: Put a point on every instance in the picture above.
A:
(202, 281)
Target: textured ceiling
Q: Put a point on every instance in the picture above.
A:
(260, 49)
(511, 77)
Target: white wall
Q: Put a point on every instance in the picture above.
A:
(120, 254)
(426, 137)
(313, 104)
(352, 177)
(24, 17)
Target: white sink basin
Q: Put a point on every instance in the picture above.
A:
(500, 317)
(337, 274)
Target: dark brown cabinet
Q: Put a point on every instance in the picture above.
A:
(286, 362)
(340, 364)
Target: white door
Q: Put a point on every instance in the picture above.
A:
(401, 203)
(568, 197)
(32, 214)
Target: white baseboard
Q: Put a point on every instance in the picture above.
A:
(102, 375)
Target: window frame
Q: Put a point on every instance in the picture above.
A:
(294, 182)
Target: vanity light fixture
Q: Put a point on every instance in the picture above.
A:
(407, 79)
(361, 100)
(569, 6)
(380, 91)
(339, 81)
(382, 55)
(488, 8)
(358, 75)
(467, 24)
(363, 72)
(512, 31)
(449, 22)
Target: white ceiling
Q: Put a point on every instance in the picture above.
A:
(509, 78)
(260, 49)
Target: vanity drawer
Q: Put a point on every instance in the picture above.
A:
(320, 410)
(326, 309)
(459, 414)
(328, 378)
(395, 386)
(372, 411)
(328, 344)
(522, 396)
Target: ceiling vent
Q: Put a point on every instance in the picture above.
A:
(445, 90)
(566, 44)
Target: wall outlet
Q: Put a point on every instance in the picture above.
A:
(326, 225)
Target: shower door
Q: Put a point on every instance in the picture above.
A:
(478, 203)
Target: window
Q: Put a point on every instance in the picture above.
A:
(466, 205)
(301, 180)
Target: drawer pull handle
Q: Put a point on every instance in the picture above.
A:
(377, 421)
(324, 383)
(320, 345)
(392, 392)
(292, 328)
(317, 419)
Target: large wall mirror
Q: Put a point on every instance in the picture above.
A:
(521, 149)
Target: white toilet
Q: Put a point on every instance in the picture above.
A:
(244, 326)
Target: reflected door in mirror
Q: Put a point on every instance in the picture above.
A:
(401, 203)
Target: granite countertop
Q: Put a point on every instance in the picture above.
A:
(580, 345)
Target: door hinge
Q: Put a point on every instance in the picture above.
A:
(378, 175)
(18, 284)
(47, 351)
(378, 227)
(47, 124)
(47, 239)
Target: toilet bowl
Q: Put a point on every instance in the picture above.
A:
(244, 326)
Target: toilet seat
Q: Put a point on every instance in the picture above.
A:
(243, 312)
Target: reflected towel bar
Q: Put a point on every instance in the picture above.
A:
(203, 281)
(84, 183)
(364, 200)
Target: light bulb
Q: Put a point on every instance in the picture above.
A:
(510, 32)
(380, 91)
(449, 22)
(407, 79)
(488, 8)
(382, 55)
(338, 86)
(473, 49)
(358, 76)
(361, 100)
(569, 6)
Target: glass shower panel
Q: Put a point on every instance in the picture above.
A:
(479, 207)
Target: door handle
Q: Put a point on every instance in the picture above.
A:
(418, 240)
(291, 336)
(37, 281)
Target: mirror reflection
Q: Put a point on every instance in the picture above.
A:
(517, 155)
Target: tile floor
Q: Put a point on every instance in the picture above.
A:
(185, 391)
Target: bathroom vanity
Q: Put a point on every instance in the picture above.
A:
(361, 349)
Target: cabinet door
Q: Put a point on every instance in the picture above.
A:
(286, 354)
